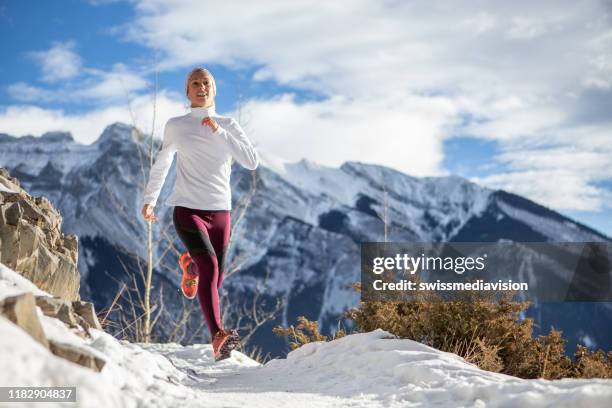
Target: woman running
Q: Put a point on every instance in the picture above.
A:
(205, 144)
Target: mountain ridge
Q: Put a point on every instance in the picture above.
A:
(301, 232)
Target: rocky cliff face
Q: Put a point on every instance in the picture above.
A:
(32, 244)
(31, 241)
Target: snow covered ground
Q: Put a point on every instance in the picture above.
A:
(362, 370)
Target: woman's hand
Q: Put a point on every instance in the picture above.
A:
(210, 122)
(148, 214)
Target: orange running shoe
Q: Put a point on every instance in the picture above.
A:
(223, 343)
(189, 282)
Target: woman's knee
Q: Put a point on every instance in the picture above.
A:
(206, 263)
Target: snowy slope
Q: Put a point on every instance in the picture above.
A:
(361, 370)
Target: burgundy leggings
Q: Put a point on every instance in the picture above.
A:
(206, 235)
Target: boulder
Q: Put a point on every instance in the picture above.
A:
(59, 308)
(77, 355)
(32, 244)
(21, 310)
(12, 183)
(86, 311)
(76, 314)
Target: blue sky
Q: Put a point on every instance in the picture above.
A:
(514, 96)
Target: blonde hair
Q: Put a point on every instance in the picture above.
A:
(204, 71)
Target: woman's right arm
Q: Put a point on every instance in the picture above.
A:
(159, 171)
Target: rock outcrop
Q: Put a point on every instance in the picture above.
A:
(79, 316)
(76, 314)
(32, 244)
(31, 241)
(21, 310)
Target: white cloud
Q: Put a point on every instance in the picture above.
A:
(593, 165)
(405, 135)
(560, 169)
(560, 177)
(17, 120)
(101, 87)
(372, 48)
(526, 28)
(558, 189)
(116, 84)
(367, 49)
(59, 62)
(24, 92)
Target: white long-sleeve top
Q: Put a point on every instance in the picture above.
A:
(204, 161)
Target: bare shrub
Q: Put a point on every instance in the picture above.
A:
(486, 330)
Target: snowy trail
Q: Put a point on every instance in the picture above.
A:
(362, 370)
(371, 370)
(242, 382)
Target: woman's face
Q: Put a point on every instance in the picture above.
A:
(200, 91)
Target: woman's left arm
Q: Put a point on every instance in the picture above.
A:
(239, 145)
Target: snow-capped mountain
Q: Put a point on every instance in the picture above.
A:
(299, 240)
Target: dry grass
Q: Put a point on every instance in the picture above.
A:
(306, 331)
